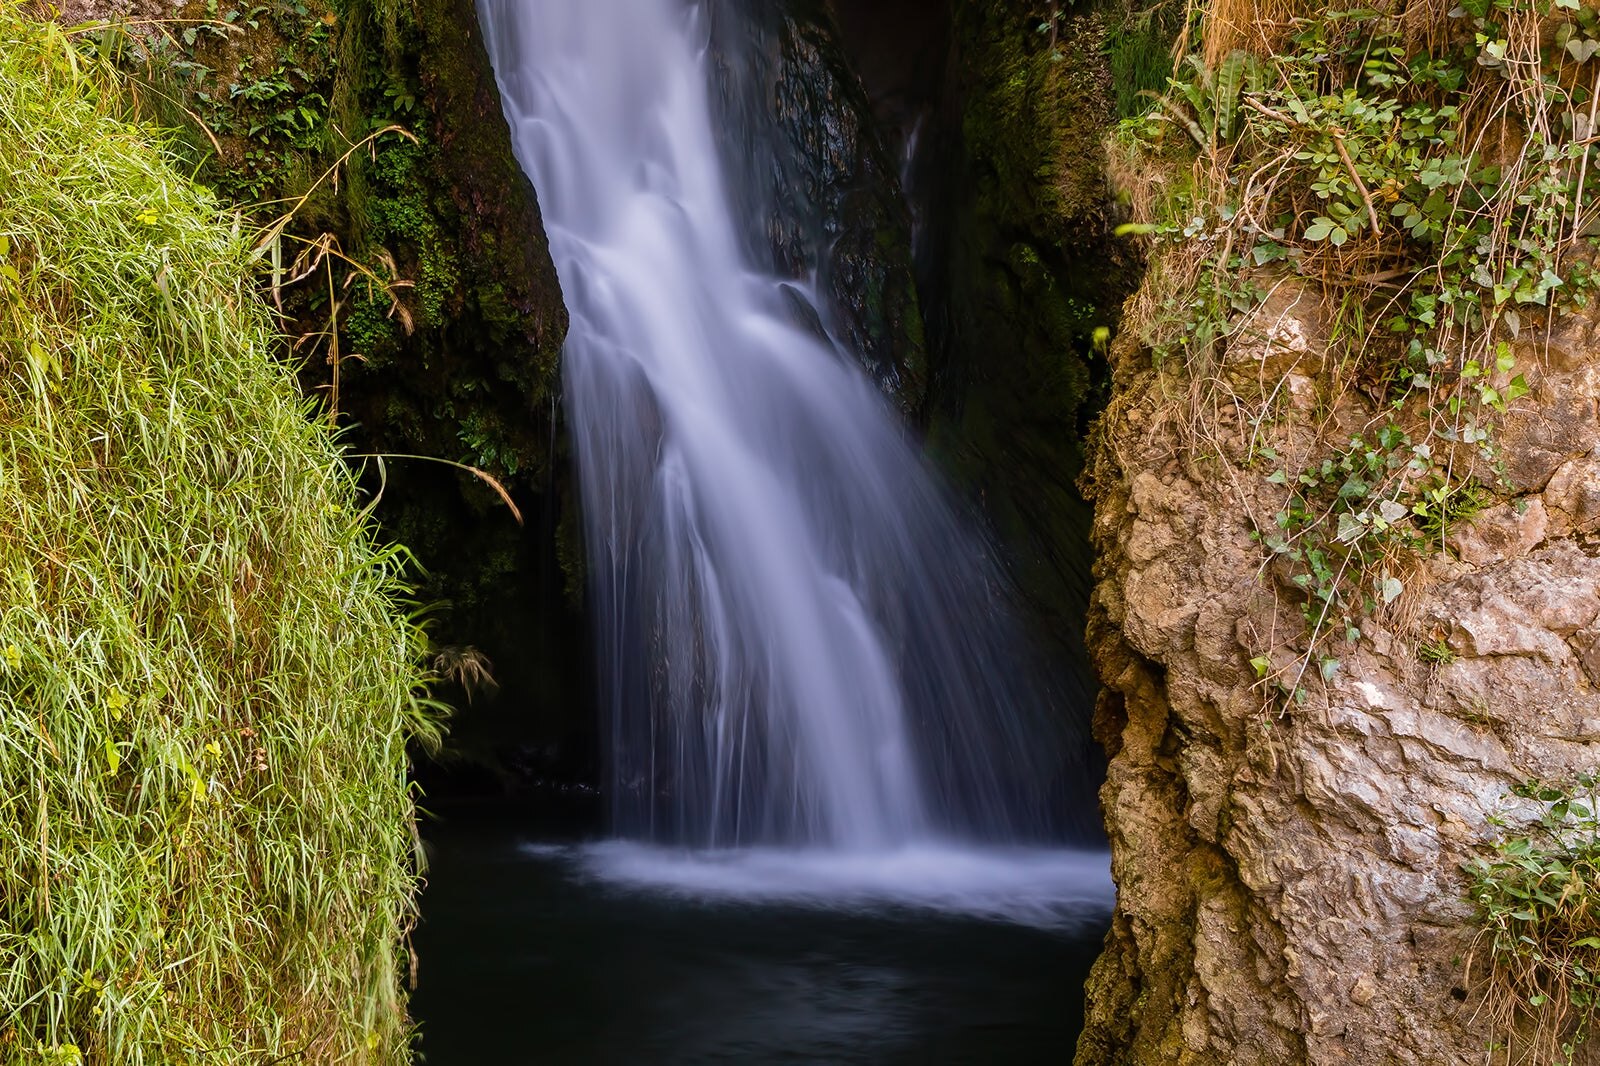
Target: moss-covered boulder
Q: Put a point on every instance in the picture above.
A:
(207, 683)
(470, 369)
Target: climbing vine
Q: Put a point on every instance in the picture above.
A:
(1431, 181)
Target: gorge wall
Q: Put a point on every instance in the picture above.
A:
(1320, 691)
(1290, 884)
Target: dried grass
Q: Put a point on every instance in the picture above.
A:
(1260, 28)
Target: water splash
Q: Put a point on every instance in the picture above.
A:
(1053, 889)
(801, 640)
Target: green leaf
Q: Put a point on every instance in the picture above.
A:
(1351, 529)
(1225, 100)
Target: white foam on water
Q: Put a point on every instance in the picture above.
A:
(1050, 888)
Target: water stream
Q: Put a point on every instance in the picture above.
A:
(824, 730)
(802, 640)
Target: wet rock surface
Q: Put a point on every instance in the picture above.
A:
(809, 158)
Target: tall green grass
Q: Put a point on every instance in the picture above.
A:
(206, 681)
(1139, 48)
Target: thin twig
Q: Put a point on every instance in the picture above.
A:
(474, 471)
(1361, 186)
(1583, 167)
(1278, 116)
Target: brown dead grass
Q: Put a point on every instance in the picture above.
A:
(1260, 28)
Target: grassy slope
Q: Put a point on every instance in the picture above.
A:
(205, 683)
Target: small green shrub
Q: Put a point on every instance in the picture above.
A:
(1538, 904)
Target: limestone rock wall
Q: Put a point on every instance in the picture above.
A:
(1290, 885)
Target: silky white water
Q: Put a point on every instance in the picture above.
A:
(801, 641)
(1059, 889)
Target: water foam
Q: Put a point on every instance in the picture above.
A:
(1059, 889)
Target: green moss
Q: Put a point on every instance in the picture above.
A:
(206, 683)
(1139, 50)
(1032, 272)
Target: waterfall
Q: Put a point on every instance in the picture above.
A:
(802, 638)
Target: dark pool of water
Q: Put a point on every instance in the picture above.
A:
(524, 958)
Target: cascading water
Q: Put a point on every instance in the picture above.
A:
(802, 642)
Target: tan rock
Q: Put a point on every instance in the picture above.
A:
(1274, 340)
(1574, 493)
(1298, 896)
(1507, 531)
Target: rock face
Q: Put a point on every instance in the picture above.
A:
(810, 161)
(475, 380)
(1018, 268)
(1290, 886)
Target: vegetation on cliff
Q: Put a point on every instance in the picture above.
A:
(1423, 176)
(419, 298)
(207, 684)
(1365, 323)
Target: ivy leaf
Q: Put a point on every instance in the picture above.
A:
(1268, 252)
(1351, 529)
(1391, 511)
(1354, 489)
(1320, 228)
